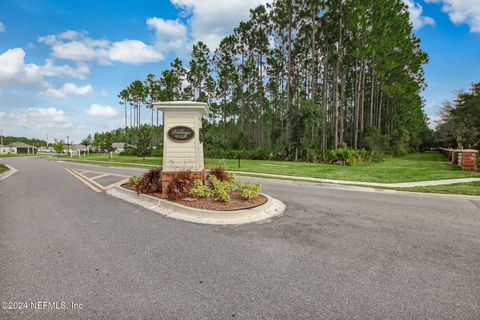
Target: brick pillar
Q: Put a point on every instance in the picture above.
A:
(454, 156)
(469, 160)
(167, 177)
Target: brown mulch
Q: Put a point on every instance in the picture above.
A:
(236, 201)
(128, 186)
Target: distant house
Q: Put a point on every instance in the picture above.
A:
(78, 148)
(46, 150)
(119, 146)
(18, 148)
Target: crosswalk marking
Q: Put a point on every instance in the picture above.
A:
(88, 184)
(90, 181)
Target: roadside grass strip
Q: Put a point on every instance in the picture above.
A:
(91, 181)
(6, 171)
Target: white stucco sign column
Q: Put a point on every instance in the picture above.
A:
(182, 145)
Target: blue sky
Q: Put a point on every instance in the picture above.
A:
(62, 63)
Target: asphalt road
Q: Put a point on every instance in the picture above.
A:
(334, 254)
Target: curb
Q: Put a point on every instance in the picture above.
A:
(271, 208)
(7, 174)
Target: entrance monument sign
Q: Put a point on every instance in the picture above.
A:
(182, 146)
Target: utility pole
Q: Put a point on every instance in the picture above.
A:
(68, 145)
(1, 137)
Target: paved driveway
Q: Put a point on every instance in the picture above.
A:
(334, 254)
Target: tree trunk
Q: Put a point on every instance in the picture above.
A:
(372, 92)
(357, 111)
(138, 126)
(324, 107)
(314, 51)
(379, 127)
(335, 105)
(289, 67)
(362, 97)
(341, 110)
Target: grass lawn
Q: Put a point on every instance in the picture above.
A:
(3, 168)
(412, 167)
(469, 188)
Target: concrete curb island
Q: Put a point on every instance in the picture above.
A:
(11, 171)
(271, 208)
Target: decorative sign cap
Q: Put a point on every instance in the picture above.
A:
(182, 106)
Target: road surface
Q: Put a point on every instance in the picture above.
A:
(334, 254)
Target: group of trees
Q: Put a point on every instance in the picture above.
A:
(459, 124)
(139, 140)
(33, 142)
(301, 77)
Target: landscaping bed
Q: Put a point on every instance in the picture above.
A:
(236, 201)
(221, 191)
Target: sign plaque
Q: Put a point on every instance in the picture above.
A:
(181, 134)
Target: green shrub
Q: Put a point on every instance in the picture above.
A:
(247, 190)
(342, 156)
(157, 151)
(222, 195)
(200, 190)
(221, 189)
(134, 180)
(252, 154)
(250, 191)
(364, 155)
(235, 183)
(129, 151)
(376, 143)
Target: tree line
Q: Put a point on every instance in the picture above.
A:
(459, 123)
(299, 78)
(33, 142)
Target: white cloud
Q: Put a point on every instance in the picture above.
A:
(462, 11)
(77, 46)
(14, 71)
(98, 110)
(416, 18)
(170, 35)
(66, 90)
(134, 52)
(2, 27)
(52, 70)
(211, 20)
(69, 34)
(36, 118)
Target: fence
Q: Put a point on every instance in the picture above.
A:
(464, 158)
